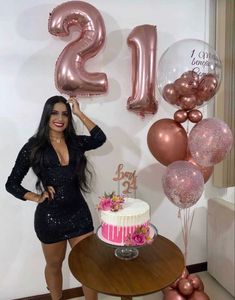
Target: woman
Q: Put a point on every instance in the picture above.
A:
(56, 155)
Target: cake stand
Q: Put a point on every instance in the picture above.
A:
(123, 251)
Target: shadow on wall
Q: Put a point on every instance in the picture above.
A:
(149, 179)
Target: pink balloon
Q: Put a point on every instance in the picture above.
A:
(142, 41)
(173, 295)
(170, 94)
(185, 287)
(183, 184)
(210, 141)
(196, 282)
(199, 295)
(70, 75)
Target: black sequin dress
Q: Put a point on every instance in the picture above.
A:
(67, 215)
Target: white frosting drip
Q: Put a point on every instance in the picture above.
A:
(134, 212)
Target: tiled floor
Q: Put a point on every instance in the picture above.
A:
(213, 289)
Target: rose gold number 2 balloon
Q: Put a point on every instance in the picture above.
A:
(142, 41)
(70, 75)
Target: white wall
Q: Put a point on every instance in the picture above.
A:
(27, 59)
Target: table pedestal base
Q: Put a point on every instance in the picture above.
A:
(126, 298)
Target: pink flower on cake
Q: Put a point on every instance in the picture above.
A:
(105, 204)
(111, 202)
(139, 237)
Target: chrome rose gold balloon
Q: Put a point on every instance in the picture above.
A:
(188, 102)
(183, 184)
(210, 140)
(180, 116)
(191, 75)
(206, 171)
(199, 295)
(185, 86)
(194, 116)
(167, 289)
(183, 275)
(173, 295)
(185, 287)
(167, 141)
(170, 94)
(142, 40)
(211, 78)
(196, 282)
(207, 87)
(70, 75)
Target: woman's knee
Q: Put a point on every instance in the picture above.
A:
(54, 255)
(55, 263)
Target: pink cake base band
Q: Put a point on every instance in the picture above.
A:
(117, 234)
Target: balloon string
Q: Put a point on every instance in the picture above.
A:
(186, 222)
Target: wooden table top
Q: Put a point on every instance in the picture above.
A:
(94, 264)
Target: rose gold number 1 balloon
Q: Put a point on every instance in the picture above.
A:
(142, 41)
(70, 75)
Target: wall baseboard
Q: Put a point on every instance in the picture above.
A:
(77, 292)
(196, 268)
(67, 294)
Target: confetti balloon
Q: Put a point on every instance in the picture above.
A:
(210, 141)
(183, 183)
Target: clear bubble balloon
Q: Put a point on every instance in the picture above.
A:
(189, 74)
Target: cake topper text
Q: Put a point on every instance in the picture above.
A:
(128, 180)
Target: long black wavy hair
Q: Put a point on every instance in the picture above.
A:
(41, 140)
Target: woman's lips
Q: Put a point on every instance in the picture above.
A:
(58, 124)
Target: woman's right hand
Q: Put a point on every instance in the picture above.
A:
(42, 197)
(48, 194)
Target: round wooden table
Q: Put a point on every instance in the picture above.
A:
(94, 264)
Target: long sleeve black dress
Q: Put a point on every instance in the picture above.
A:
(67, 215)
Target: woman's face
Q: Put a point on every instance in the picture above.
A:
(59, 118)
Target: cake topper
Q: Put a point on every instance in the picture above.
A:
(128, 180)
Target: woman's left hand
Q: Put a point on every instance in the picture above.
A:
(75, 105)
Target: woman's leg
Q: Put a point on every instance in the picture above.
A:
(54, 255)
(88, 293)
